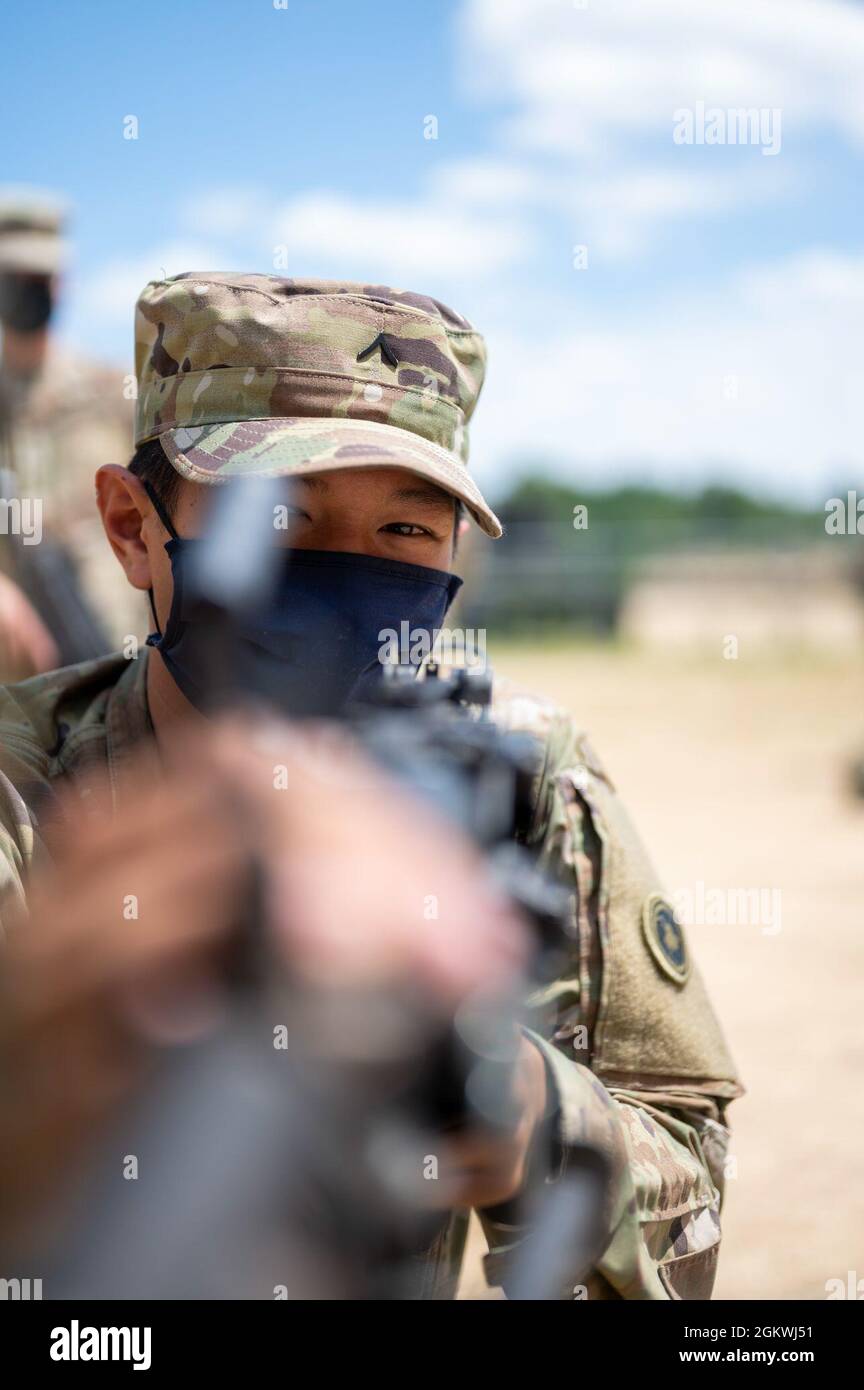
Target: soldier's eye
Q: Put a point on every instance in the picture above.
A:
(406, 528)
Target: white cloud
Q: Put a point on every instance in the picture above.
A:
(756, 374)
(109, 293)
(411, 242)
(621, 214)
(819, 276)
(489, 182)
(583, 80)
(415, 240)
(616, 212)
(759, 379)
(224, 213)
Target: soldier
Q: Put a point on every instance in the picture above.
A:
(60, 415)
(360, 397)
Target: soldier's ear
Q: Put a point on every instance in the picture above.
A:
(462, 526)
(128, 519)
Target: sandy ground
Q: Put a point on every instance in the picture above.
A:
(735, 774)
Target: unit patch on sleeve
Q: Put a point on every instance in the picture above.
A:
(665, 938)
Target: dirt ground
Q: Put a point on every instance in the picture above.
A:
(735, 773)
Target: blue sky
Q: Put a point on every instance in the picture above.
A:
(716, 329)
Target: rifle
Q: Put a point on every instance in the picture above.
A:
(302, 1170)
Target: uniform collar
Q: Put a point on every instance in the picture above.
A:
(129, 730)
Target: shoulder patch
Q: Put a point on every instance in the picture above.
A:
(664, 937)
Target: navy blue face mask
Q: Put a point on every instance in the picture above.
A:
(322, 639)
(25, 302)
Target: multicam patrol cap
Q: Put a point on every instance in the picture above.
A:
(255, 375)
(31, 232)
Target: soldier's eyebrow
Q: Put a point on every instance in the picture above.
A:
(431, 495)
(427, 493)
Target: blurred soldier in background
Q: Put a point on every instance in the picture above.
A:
(60, 416)
(328, 385)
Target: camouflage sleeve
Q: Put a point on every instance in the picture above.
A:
(664, 1134)
(16, 848)
(664, 1208)
(24, 786)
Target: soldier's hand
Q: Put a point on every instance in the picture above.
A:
(366, 890)
(481, 1169)
(26, 645)
(368, 887)
(122, 936)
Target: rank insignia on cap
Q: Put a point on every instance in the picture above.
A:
(665, 938)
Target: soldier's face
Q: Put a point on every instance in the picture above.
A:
(390, 513)
(387, 512)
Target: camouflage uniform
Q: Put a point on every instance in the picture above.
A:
(62, 424)
(58, 424)
(651, 1078)
(252, 374)
(637, 1061)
